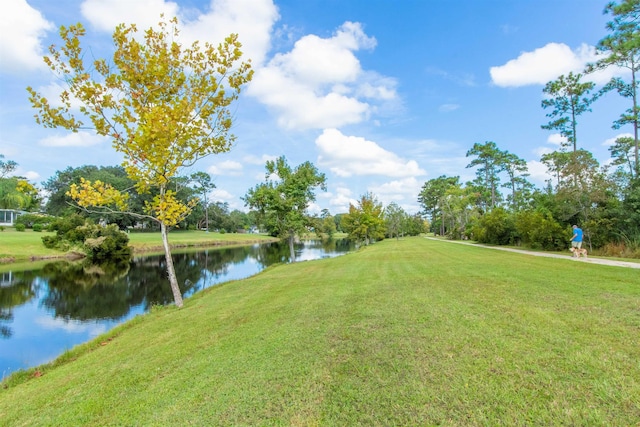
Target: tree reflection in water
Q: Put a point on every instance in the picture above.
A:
(15, 290)
(80, 291)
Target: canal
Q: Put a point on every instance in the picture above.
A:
(47, 311)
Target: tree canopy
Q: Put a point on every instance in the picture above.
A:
(621, 48)
(164, 106)
(365, 222)
(569, 98)
(282, 200)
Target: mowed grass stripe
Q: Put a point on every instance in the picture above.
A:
(404, 332)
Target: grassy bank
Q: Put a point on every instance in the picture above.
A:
(23, 246)
(409, 332)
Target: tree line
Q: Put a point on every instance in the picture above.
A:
(501, 206)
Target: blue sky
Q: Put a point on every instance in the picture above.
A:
(380, 95)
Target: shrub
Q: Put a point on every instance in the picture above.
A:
(98, 242)
(625, 248)
(613, 249)
(495, 227)
(62, 225)
(20, 227)
(540, 231)
(30, 220)
(37, 227)
(108, 243)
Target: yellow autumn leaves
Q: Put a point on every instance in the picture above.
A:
(164, 207)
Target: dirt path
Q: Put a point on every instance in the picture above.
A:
(548, 255)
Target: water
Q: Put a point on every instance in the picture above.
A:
(48, 311)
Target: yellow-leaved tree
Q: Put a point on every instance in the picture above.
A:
(164, 105)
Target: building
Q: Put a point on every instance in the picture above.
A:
(8, 216)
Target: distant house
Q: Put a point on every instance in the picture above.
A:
(8, 216)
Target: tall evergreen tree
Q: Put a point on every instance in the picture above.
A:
(569, 98)
(621, 48)
(430, 198)
(490, 161)
(516, 169)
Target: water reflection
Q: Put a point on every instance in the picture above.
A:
(14, 291)
(44, 312)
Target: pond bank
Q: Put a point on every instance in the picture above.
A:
(23, 249)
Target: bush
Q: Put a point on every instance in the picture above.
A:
(98, 242)
(625, 248)
(20, 227)
(30, 220)
(109, 243)
(495, 227)
(540, 231)
(63, 225)
(37, 227)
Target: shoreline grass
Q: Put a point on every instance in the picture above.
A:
(25, 247)
(404, 332)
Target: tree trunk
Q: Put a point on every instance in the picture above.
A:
(635, 116)
(206, 213)
(171, 271)
(291, 250)
(573, 126)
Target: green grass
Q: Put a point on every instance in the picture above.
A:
(408, 332)
(145, 242)
(24, 245)
(20, 246)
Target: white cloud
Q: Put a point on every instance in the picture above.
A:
(341, 201)
(540, 151)
(70, 326)
(351, 155)
(316, 61)
(314, 208)
(538, 172)
(21, 28)
(546, 64)
(227, 167)
(557, 139)
(609, 142)
(74, 139)
(31, 175)
(320, 83)
(219, 195)
(52, 93)
(398, 190)
(252, 20)
(377, 87)
(105, 15)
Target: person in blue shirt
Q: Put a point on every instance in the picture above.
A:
(576, 239)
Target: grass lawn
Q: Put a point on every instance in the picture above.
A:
(409, 332)
(21, 246)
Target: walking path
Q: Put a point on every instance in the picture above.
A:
(549, 255)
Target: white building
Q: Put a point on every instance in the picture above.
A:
(8, 216)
